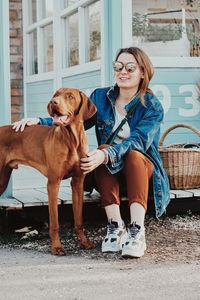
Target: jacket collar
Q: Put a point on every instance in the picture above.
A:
(113, 92)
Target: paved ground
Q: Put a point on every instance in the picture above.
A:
(170, 268)
(31, 275)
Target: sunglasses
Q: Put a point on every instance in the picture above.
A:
(118, 66)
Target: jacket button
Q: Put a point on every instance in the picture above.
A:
(159, 194)
(158, 176)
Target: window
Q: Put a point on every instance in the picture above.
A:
(32, 11)
(61, 34)
(82, 32)
(94, 31)
(167, 28)
(67, 3)
(46, 8)
(33, 63)
(48, 48)
(39, 36)
(71, 47)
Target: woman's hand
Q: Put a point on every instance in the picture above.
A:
(25, 122)
(92, 161)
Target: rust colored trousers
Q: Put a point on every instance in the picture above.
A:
(133, 180)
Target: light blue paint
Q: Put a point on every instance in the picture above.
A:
(90, 80)
(5, 112)
(176, 89)
(113, 35)
(38, 95)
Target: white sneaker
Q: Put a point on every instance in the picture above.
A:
(115, 237)
(135, 244)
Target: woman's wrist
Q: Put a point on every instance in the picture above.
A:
(106, 156)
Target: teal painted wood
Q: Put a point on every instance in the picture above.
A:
(5, 112)
(176, 88)
(112, 35)
(86, 81)
(176, 75)
(38, 95)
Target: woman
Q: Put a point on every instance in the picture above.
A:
(134, 155)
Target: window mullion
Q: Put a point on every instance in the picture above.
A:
(40, 50)
(87, 34)
(82, 34)
(38, 9)
(57, 48)
(67, 34)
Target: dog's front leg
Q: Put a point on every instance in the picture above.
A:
(77, 202)
(53, 188)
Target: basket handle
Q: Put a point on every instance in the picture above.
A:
(175, 126)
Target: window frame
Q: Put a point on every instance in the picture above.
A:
(158, 61)
(57, 19)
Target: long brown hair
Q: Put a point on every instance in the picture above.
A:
(146, 67)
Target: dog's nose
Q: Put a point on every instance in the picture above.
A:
(55, 101)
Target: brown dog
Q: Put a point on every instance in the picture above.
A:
(54, 151)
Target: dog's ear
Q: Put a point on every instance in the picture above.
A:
(87, 107)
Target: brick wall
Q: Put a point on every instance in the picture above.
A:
(16, 59)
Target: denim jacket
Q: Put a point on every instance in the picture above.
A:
(145, 133)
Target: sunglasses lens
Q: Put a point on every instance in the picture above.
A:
(130, 67)
(117, 66)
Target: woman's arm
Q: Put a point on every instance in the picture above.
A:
(25, 122)
(46, 121)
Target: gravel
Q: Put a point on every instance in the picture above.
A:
(168, 239)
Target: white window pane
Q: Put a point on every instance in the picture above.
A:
(73, 40)
(32, 11)
(95, 31)
(71, 55)
(47, 8)
(67, 3)
(33, 59)
(48, 48)
(162, 28)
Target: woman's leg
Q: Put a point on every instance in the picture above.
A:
(138, 170)
(108, 186)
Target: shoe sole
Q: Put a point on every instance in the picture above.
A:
(131, 253)
(110, 249)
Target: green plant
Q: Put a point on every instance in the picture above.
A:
(163, 32)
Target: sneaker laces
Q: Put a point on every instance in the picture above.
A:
(133, 230)
(111, 228)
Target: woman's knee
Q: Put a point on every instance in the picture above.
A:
(134, 157)
(135, 160)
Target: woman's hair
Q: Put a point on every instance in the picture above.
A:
(145, 65)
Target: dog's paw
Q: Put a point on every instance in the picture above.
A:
(88, 245)
(92, 245)
(58, 251)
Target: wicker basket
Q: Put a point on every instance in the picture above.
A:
(181, 165)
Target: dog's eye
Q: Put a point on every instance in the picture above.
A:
(70, 97)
